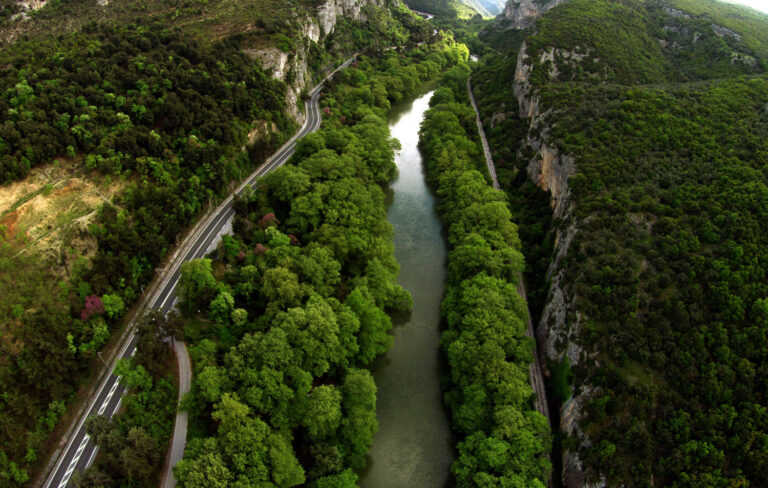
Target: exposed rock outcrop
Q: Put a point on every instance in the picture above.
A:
(292, 68)
(331, 10)
(560, 324)
(523, 13)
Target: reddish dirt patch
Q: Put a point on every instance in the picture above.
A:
(9, 224)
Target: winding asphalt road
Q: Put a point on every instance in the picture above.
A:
(81, 450)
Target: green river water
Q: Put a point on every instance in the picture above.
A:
(414, 444)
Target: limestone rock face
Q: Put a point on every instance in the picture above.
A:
(523, 13)
(333, 9)
(560, 324)
(292, 67)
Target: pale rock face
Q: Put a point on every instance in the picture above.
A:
(724, 31)
(316, 29)
(271, 59)
(523, 13)
(673, 12)
(28, 5)
(281, 63)
(555, 335)
(333, 9)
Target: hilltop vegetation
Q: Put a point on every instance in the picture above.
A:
(449, 9)
(160, 116)
(664, 110)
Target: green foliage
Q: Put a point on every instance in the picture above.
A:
(323, 415)
(281, 399)
(673, 290)
(159, 97)
(632, 42)
(197, 285)
(747, 22)
(113, 305)
(505, 441)
(666, 273)
(73, 95)
(132, 445)
(450, 9)
(614, 32)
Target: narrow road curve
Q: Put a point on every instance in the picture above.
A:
(81, 450)
(535, 375)
(426, 15)
(179, 440)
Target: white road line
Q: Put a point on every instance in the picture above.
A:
(72, 465)
(223, 211)
(93, 454)
(211, 229)
(109, 396)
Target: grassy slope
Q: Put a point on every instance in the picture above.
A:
(207, 21)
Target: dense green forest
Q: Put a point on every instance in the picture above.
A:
(296, 301)
(665, 113)
(505, 441)
(163, 115)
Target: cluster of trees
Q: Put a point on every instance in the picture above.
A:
(294, 304)
(140, 103)
(165, 114)
(448, 9)
(700, 49)
(505, 441)
(499, 112)
(667, 271)
(133, 444)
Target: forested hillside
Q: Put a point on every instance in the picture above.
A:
(116, 134)
(452, 9)
(633, 146)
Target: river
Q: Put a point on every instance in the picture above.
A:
(414, 446)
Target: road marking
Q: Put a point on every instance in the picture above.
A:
(312, 124)
(109, 396)
(90, 459)
(73, 464)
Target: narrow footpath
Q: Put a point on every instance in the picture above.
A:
(535, 374)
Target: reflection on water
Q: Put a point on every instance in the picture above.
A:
(414, 444)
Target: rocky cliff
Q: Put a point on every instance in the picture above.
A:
(560, 324)
(523, 13)
(292, 67)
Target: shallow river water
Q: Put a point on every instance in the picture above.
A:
(414, 444)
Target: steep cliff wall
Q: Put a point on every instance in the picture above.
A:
(523, 13)
(292, 67)
(559, 325)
